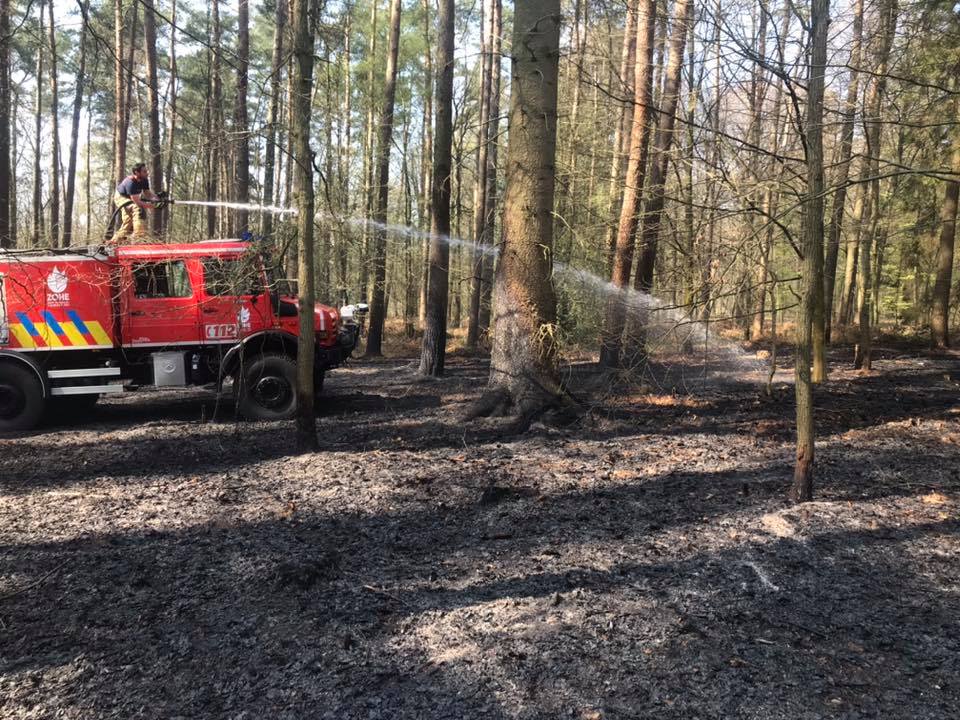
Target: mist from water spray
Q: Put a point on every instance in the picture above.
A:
(671, 321)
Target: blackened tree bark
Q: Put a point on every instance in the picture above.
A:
(523, 363)
(302, 161)
(433, 351)
(378, 306)
(812, 283)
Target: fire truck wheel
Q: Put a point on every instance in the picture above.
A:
(21, 398)
(267, 388)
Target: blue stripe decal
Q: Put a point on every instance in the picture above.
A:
(52, 323)
(25, 321)
(78, 323)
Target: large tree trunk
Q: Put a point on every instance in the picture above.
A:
(812, 283)
(872, 129)
(54, 134)
(153, 104)
(70, 197)
(241, 168)
(302, 161)
(378, 306)
(843, 171)
(119, 97)
(940, 317)
(523, 363)
(433, 351)
(610, 349)
(7, 187)
(276, 82)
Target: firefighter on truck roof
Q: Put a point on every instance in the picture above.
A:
(133, 198)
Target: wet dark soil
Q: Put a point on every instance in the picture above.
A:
(639, 563)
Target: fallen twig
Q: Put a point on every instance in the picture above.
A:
(39, 581)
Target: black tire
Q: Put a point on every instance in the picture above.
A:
(266, 388)
(21, 398)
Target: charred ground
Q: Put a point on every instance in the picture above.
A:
(641, 562)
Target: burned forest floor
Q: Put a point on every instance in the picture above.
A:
(160, 560)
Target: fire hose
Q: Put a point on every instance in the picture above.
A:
(163, 200)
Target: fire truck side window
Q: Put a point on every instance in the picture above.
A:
(222, 276)
(167, 279)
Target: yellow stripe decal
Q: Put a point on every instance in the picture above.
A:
(48, 335)
(23, 337)
(75, 337)
(96, 329)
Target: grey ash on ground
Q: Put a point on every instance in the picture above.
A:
(639, 563)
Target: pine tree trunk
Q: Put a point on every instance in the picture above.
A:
(378, 307)
(369, 147)
(940, 317)
(872, 131)
(812, 283)
(480, 184)
(302, 161)
(276, 81)
(172, 93)
(653, 209)
(490, 196)
(523, 363)
(241, 129)
(215, 218)
(37, 128)
(153, 105)
(622, 134)
(54, 134)
(425, 215)
(433, 350)
(7, 188)
(70, 197)
(843, 171)
(119, 98)
(610, 349)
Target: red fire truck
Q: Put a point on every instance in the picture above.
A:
(80, 323)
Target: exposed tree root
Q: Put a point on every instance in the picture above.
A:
(554, 407)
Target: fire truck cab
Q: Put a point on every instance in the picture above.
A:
(80, 323)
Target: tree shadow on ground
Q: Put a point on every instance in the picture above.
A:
(325, 615)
